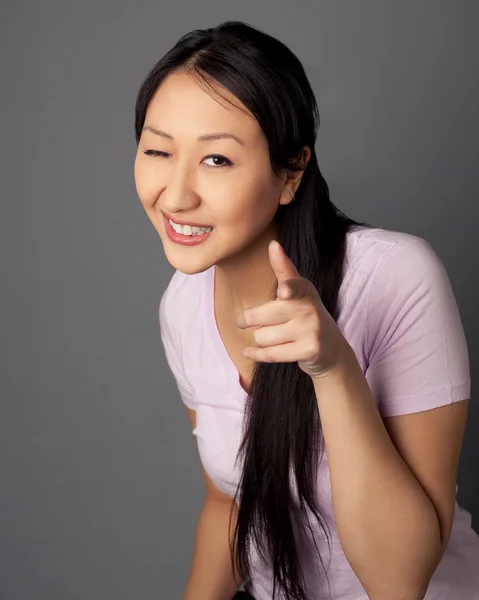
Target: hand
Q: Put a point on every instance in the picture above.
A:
(296, 326)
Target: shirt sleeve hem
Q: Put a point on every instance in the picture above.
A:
(422, 402)
(188, 403)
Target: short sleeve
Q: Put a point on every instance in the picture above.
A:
(418, 355)
(173, 353)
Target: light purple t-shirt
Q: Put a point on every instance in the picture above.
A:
(399, 314)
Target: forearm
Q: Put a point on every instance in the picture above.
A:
(211, 575)
(387, 525)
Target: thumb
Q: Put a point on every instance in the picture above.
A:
(284, 291)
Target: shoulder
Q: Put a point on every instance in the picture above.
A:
(393, 263)
(410, 275)
(397, 296)
(374, 244)
(414, 340)
(178, 310)
(182, 297)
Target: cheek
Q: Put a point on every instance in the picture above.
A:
(146, 184)
(259, 207)
(247, 200)
(242, 218)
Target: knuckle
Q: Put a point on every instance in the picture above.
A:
(311, 352)
(269, 355)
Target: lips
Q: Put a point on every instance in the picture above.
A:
(190, 223)
(185, 240)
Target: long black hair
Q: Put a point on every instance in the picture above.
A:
(282, 429)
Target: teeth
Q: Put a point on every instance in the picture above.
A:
(188, 229)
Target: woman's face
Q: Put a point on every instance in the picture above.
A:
(224, 183)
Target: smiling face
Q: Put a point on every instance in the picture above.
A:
(223, 183)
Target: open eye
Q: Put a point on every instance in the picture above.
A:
(222, 158)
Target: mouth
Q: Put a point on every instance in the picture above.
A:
(189, 229)
(187, 234)
(180, 223)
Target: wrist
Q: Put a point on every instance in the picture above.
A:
(346, 365)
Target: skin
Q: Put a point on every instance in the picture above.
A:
(239, 201)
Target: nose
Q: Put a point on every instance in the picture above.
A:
(176, 204)
(179, 194)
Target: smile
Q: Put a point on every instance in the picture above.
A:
(187, 235)
(189, 229)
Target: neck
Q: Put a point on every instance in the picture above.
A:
(247, 279)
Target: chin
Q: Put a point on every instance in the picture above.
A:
(189, 267)
(189, 271)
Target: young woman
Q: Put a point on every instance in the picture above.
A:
(330, 447)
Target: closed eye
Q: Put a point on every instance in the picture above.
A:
(159, 153)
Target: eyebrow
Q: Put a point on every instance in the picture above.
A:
(202, 138)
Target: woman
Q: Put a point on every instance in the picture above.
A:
(328, 474)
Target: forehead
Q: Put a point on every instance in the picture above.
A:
(183, 104)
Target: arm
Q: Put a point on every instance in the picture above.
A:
(393, 502)
(211, 576)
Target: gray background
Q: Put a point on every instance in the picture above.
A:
(100, 479)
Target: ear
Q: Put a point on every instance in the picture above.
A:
(293, 178)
